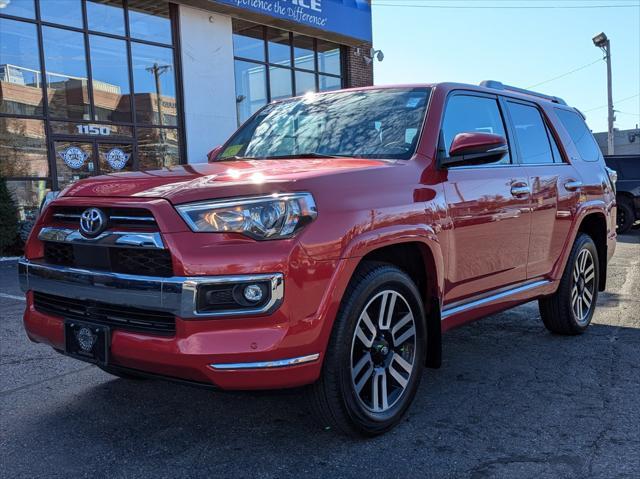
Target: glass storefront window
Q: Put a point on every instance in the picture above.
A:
(279, 47)
(64, 12)
(69, 128)
(248, 41)
(19, 8)
(74, 161)
(115, 157)
(157, 148)
(305, 82)
(154, 84)
(328, 58)
(149, 21)
(303, 54)
(66, 73)
(106, 16)
(251, 88)
(317, 65)
(20, 79)
(28, 195)
(110, 79)
(23, 148)
(280, 83)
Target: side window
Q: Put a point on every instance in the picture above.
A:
(580, 134)
(531, 134)
(557, 156)
(469, 114)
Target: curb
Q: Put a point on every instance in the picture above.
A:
(7, 259)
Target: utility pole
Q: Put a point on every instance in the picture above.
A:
(601, 41)
(158, 70)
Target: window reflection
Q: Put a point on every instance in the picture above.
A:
(20, 80)
(303, 54)
(66, 73)
(28, 195)
(328, 57)
(18, 8)
(251, 88)
(154, 84)
(280, 83)
(279, 47)
(110, 77)
(115, 157)
(328, 83)
(157, 148)
(248, 41)
(23, 148)
(305, 82)
(74, 161)
(106, 16)
(149, 21)
(64, 12)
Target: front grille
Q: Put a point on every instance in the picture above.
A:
(115, 316)
(138, 261)
(134, 218)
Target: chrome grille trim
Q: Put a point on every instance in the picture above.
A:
(121, 239)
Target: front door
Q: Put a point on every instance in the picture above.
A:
(489, 206)
(77, 158)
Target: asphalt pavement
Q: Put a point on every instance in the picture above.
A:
(511, 400)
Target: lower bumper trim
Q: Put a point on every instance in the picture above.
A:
(279, 363)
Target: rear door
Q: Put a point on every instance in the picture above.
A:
(488, 205)
(555, 185)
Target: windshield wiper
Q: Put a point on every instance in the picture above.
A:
(302, 155)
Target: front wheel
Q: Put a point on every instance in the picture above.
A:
(375, 356)
(625, 215)
(570, 309)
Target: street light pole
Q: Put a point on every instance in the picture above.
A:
(601, 41)
(158, 70)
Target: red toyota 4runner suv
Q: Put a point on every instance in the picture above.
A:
(328, 244)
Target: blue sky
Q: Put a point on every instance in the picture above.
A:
(520, 47)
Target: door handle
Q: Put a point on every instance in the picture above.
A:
(520, 189)
(572, 185)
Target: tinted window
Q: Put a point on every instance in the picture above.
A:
(154, 27)
(470, 114)
(557, 156)
(18, 8)
(110, 78)
(580, 134)
(65, 12)
(106, 16)
(531, 134)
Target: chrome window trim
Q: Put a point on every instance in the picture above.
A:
(277, 363)
(176, 294)
(460, 307)
(119, 239)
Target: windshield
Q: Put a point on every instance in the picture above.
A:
(381, 123)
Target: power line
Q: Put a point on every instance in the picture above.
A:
(567, 73)
(615, 102)
(499, 7)
(627, 113)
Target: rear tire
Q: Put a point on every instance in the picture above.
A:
(625, 216)
(570, 309)
(376, 354)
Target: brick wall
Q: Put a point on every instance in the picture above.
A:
(358, 72)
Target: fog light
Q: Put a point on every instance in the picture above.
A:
(253, 293)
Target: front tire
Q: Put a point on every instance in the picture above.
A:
(625, 215)
(570, 309)
(375, 356)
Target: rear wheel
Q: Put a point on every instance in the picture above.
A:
(625, 215)
(570, 309)
(376, 354)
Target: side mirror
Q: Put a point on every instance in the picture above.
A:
(475, 149)
(211, 156)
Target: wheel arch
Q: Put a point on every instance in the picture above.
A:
(595, 225)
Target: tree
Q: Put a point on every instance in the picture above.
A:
(8, 218)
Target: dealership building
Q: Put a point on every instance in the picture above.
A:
(92, 87)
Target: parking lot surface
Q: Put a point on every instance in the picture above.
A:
(511, 400)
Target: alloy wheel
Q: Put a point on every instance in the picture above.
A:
(583, 288)
(383, 351)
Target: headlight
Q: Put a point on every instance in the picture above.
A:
(260, 217)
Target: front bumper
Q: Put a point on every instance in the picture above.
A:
(204, 349)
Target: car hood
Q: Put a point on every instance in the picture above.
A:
(217, 180)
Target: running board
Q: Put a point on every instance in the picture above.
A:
(457, 308)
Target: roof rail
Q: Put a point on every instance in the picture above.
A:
(496, 85)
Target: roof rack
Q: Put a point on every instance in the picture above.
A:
(496, 85)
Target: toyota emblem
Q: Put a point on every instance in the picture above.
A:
(92, 222)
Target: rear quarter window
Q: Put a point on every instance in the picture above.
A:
(580, 134)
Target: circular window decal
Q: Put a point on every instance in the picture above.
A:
(73, 157)
(117, 158)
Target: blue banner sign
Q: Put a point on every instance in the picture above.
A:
(351, 18)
